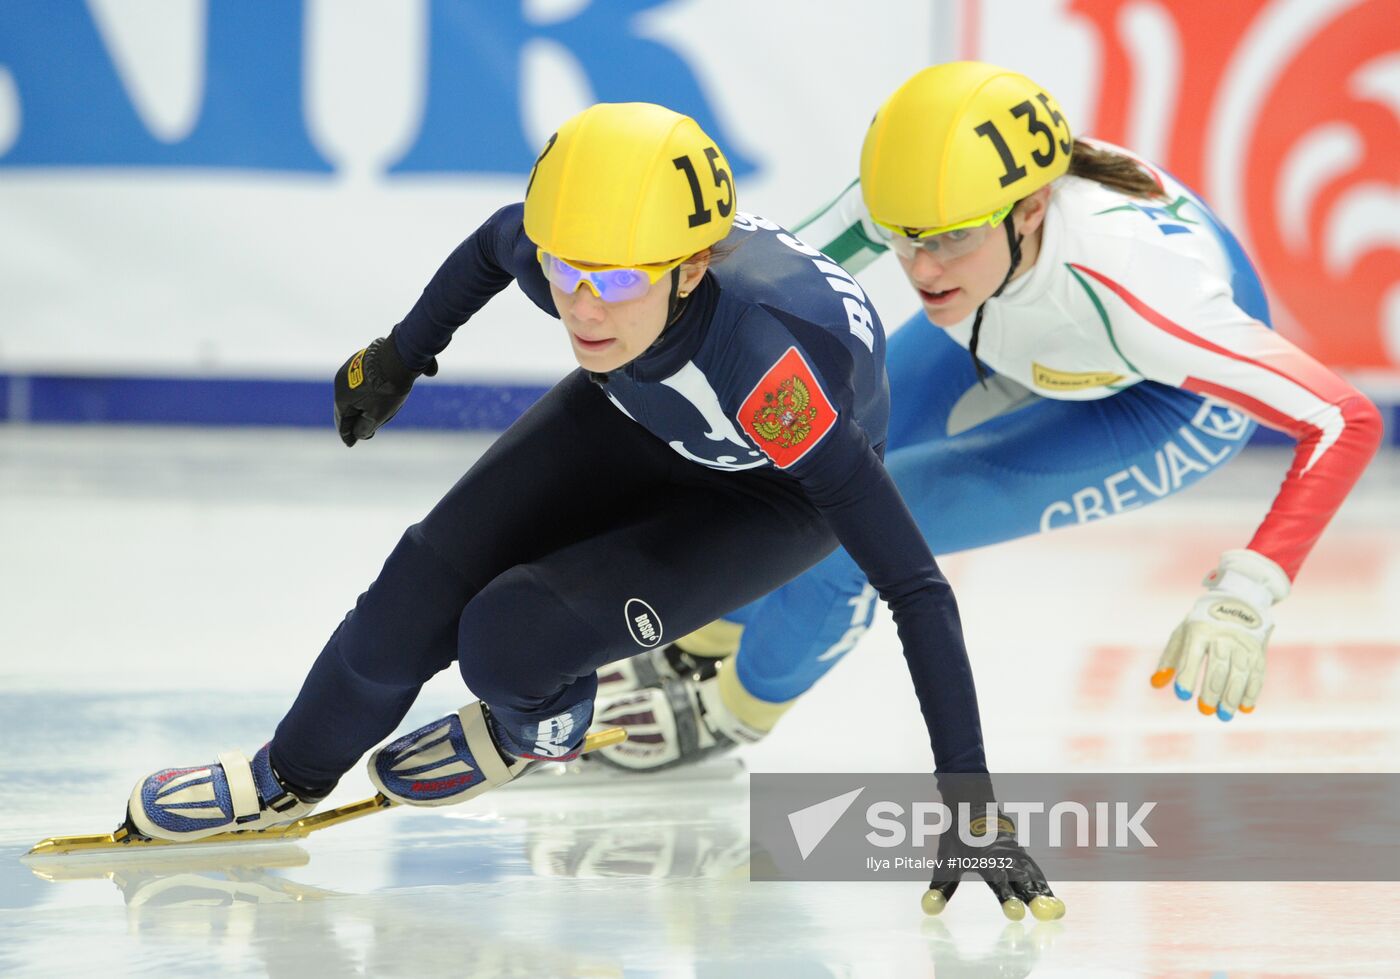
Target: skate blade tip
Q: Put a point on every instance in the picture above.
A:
(127, 839)
(606, 738)
(57, 846)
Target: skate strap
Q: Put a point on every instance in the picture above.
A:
(482, 746)
(241, 787)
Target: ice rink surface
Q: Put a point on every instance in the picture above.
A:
(163, 591)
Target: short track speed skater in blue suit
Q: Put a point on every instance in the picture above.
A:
(723, 434)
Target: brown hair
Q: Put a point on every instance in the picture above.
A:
(1113, 170)
(716, 253)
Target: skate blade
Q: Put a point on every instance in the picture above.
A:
(123, 838)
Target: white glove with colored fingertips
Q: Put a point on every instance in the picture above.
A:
(1222, 642)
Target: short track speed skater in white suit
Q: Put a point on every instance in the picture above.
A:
(1120, 351)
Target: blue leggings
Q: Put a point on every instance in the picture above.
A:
(578, 539)
(981, 465)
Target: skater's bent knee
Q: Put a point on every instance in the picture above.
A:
(518, 638)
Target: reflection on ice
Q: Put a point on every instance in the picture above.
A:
(1014, 954)
(460, 891)
(244, 905)
(589, 879)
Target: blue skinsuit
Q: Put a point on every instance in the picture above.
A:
(625, 510)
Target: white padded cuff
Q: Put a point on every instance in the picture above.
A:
(1257, 567)
(482, 745)
(241, 786)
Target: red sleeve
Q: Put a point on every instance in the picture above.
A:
(1225, 355)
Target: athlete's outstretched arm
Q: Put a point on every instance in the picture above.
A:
(1214, 349)
(1210, 346)
(847, 481)
(373, 384)
(861, 503)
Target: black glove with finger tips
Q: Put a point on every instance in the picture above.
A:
(371, 387)
(1012, 873)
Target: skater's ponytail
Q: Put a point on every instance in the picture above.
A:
(1113, 170)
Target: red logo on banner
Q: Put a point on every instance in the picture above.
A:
(1286, 120)
(787, 412)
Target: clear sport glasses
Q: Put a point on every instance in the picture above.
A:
(616, 285)
(943, 244)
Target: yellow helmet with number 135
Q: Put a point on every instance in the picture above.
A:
(956, 145)
(627, 185)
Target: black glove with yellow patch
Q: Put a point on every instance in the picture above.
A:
(371, 387)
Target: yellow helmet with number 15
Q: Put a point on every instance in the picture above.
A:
(629, 184)
(956, 145)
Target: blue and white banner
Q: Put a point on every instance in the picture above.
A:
(204, 203)
(232, 189)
